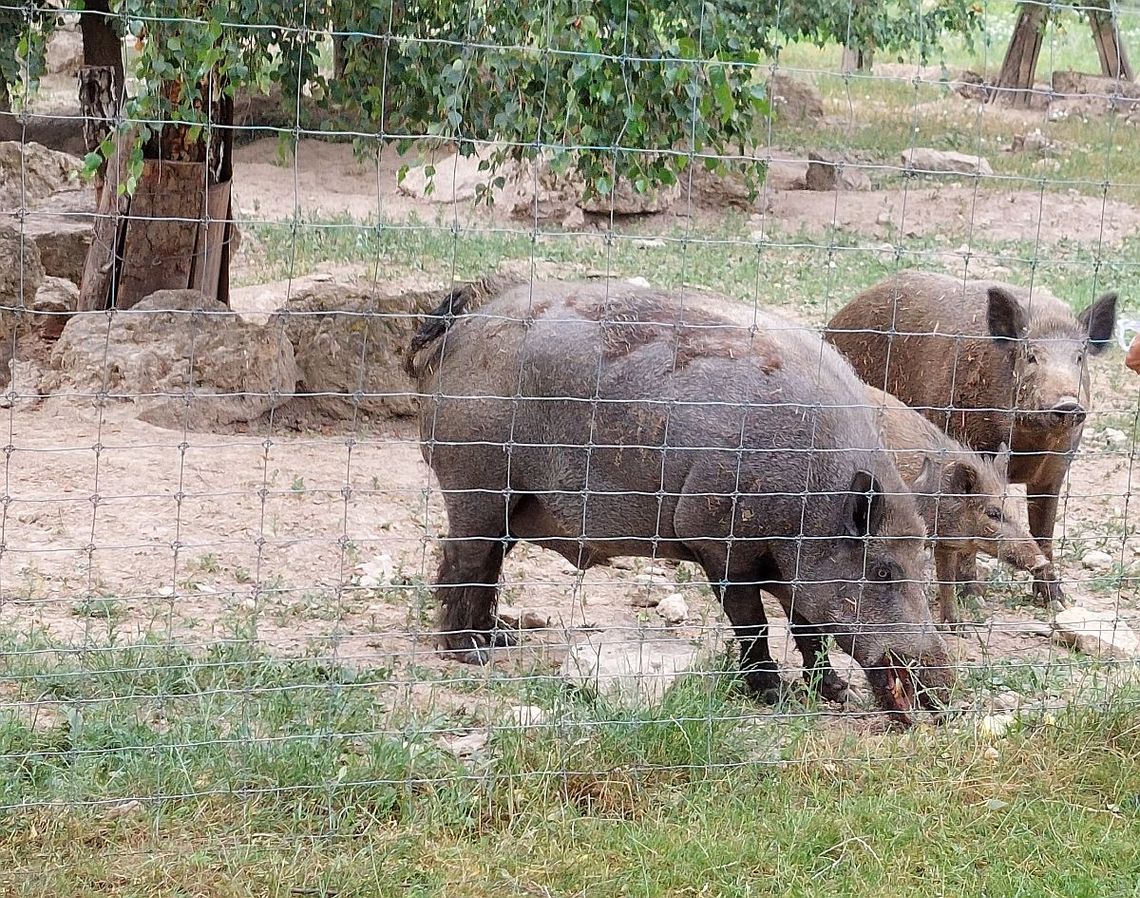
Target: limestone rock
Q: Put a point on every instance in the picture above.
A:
(30, 172)
(1097, 560)
(64, 52)
(55, 300)
(926, 159)
(632, 673)
(1096, 633)
(21, 271)
(794, 101)
(348, 338)
(827, 173)
(673, 608)
(185, 360)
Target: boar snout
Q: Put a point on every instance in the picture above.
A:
(1068, 413)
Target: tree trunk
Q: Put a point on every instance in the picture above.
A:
(1113, 58)
(101, 45)
(174, 232)
(1015, 83)
(99, 104)
(857, 60)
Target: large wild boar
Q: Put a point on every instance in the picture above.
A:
(989, 363)
(606, 420)
(960, 496)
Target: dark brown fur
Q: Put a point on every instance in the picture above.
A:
(988, 363)
(540, 427)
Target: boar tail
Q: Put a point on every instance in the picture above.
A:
(459, 301)
(436, 324)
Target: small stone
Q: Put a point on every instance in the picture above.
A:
(121, 810)
(1096, 633)
(509, 617)
(884, 218)
(991, 753)
(465, 746)
(651, 580)
(994, 726)
(166, 591)
(635, 673)
(644, 600)
(926, 159)
(532, 620)
(826, 173)
(656, 571)
(1097, 560)
(673, 608)
(1007, 701)
(622, 564)
(1115, 437)
(638, 282)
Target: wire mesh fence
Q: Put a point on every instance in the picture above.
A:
(441, 412)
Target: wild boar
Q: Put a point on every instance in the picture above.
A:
(604, 420)
(960, 496)
(989, 363)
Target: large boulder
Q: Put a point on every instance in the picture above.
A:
(794, 102)
(21, 271)
(348, 337)
(186, 360)
(349, 334)
(30, 172)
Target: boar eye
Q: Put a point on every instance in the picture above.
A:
(994, 514)
(881, 572)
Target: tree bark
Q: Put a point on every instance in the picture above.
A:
(1015, 83)
(99, 104)
(1113, 58)
(175, 231)
(101, 45)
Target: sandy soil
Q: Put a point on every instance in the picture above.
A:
(112, 527)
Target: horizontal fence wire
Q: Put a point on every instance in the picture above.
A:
(339, 502)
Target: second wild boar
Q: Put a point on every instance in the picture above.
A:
(602, 420)
(960, 496)
(989, 363)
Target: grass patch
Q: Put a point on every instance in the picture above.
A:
(810, 274)
(237, 774)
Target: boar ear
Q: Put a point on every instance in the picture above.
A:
(961, 479)
(1099, 321)
(864, 505)
(1004, 315)
(926, 483)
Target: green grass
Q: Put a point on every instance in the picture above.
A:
(812, 274)
(148, 771)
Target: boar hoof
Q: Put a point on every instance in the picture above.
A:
(955, 625)
(768, 687)
(1050, 595)
(475, 647)
(830, 686)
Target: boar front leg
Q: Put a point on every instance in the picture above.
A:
(818, 672)
(467, 591)
(946, 569)
(745, 612)
(1041, 503)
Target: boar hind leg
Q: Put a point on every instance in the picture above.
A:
(466, 588)
(745, 612)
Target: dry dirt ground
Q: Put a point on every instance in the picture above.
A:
(112, 527)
